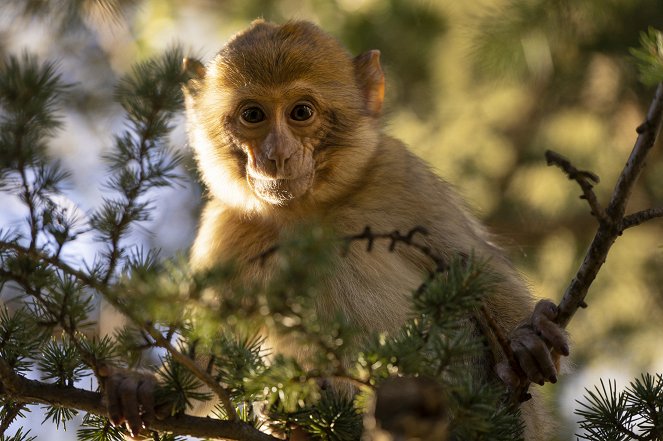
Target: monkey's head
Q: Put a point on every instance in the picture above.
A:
(283, 114)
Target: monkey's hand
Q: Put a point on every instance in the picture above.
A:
(129, 396)
(536, 346)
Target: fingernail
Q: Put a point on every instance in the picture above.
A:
(565, 349)
(553, 379)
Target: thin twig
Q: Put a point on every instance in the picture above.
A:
(395, 237)
(640, 217)
(612, 221)
(584, 178)
(370, 237)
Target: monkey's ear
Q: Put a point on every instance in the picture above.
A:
(193, 68)
(370, 79)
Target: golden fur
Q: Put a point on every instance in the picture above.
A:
(337, 169)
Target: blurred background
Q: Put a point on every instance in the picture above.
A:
(478, 88)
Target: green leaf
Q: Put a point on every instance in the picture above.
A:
(649, 57)
(59, 415)
(179, 386)
(19, 436)
(61, 361)
(96, 428)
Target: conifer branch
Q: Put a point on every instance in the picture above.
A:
(101, 287)
(194, 368)
(28, 391)
(159, 339)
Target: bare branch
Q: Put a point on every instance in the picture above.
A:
(395, 237)
(607, 232)
(640, 217)
(21, 389)
(585, 179)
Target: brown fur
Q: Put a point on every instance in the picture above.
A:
(359, 176)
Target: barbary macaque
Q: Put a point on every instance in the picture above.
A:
(285, 126)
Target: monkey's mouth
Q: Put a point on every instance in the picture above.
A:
(279, 191)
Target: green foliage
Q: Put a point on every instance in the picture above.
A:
(20, 337)
(236, 359)
(636, 413)
(30, 97)
(180, 386)
(61, 361)
(52, 296)
(649, 57)
(9, 411)
(19, 436)
(59, 415)
(95, 428)
(141, 161)
(440, 341)
(332, 418)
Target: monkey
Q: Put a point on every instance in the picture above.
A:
(285, 126)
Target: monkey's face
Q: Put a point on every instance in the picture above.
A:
(278, 136)
(283, 114)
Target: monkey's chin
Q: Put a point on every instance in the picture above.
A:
(280, 191)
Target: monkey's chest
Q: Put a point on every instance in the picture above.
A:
(371, 289)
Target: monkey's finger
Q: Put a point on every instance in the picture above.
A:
(113, 403)
(542, 321)
(507, 375)
(542, 356)
(163, 411)
(129, 399)
(545, 308)
(553, 335)
(146, 400)
(527, 362)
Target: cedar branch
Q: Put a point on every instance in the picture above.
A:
(21, 389)
(103, 288)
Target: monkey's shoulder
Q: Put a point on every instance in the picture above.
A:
(226, 234)
(400, 191)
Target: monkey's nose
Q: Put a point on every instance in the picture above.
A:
(279, 157)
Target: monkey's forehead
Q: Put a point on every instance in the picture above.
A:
(270, 54)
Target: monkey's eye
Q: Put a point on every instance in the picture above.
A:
(253, 115)
(301, 112)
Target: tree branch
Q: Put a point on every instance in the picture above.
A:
(21, 389)
(585, 179)
(635, 219)
(607, 232)
(102, 288)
